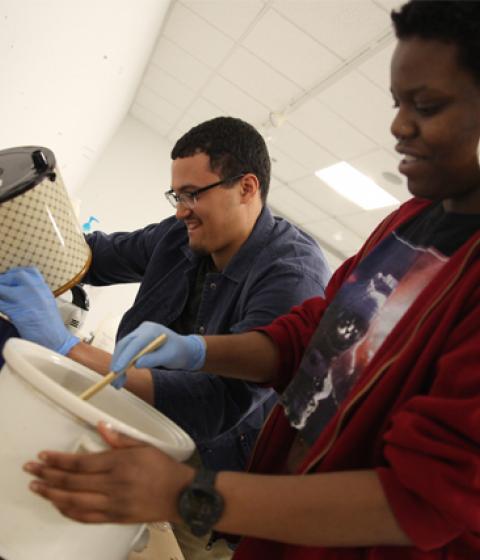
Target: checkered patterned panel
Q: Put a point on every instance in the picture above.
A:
(39, 228)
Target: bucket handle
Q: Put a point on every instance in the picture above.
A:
(86, 444)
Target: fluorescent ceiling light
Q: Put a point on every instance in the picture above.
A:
(355, 186)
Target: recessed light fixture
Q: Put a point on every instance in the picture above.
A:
(355, 186)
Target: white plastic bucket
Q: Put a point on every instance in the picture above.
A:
(40, 409)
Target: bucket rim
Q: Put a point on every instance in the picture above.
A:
(15, 352)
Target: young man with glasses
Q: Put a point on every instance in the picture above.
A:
(223, 264)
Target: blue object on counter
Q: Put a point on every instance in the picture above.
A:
(87, 226)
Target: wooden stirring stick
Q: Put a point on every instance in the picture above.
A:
(156, 343)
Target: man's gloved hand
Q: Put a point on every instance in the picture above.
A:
(30, 305)
(178, 352)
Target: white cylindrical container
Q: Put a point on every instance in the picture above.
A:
(40, 409)
(38, 225)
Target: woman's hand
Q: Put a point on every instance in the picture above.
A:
(130, 483)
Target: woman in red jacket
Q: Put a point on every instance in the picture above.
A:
(374, 451)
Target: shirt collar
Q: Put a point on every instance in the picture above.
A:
(239, 264)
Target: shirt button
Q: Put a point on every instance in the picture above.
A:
(201, 330)
(213, 285)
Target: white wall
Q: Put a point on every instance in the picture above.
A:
(69, 72)
(125, 192)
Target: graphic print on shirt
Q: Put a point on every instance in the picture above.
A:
(365, 310)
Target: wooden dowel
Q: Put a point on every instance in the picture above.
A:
(150, 347)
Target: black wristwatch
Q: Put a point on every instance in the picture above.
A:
(199, 504)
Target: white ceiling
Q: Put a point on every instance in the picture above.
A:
(323, 65)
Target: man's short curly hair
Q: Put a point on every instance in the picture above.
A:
(233, 146)
(450, 21)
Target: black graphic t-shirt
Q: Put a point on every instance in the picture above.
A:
(365, 310)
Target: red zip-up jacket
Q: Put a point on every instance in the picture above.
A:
(413, 416)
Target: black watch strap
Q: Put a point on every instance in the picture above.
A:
(204, 478)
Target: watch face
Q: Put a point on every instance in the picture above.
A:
(200, 509)
(199, 503)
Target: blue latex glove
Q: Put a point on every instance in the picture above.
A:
(178, 352)
(30, 305)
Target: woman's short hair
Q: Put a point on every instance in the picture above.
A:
(450, 21)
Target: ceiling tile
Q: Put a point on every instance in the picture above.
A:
(344, 26)
(195, 35)
(271, 40)
(363, 105)
(234, 102)
(168, 87)
(150, 119)
(203, 110)
(256, 78)
(377, 67)
(311, 188)
(330, 130)
(389, 5)
(294, 207)
(275, 184)
(232, 18)
(363, 223)
(299, 147)
(375, 163)
(200, 111)
(186, 122)
(336, 234)
(284, 167)
(157, 105)
(179, 63)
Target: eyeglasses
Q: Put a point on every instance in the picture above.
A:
(189, 199)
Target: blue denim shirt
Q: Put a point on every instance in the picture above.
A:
(277, 267)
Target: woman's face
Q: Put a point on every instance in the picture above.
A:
(437, 124)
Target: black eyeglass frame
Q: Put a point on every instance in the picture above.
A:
(176, 199)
